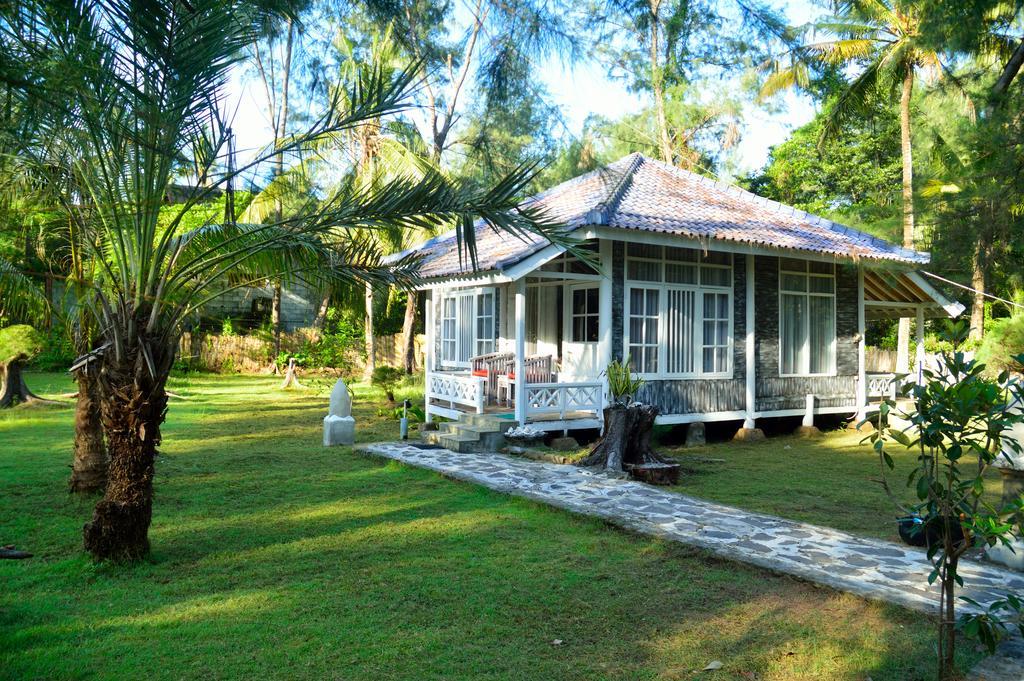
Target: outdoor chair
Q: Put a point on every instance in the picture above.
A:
(539, 369)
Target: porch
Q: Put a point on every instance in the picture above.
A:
(528, 350)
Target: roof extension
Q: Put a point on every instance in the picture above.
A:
(639, 193)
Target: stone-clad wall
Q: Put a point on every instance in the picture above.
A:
(775, 392)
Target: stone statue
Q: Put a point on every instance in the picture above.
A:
(339, 426)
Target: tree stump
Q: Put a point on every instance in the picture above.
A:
(12, 385)
(625, 446)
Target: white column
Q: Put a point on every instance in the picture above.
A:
(519, 385)
(428, 351)
(919, 361)
(862, 373)
(751, 346)
(604, 324)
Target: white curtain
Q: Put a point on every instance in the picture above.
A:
(822, 335)
(793, 334)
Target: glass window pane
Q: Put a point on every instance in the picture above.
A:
(592, 328)
(592, 300)
(822, 284)
(652, 302)
(717, 258)
(579, 301)
(715, 276)
(792, 265)
(723, 306)
(822, 330)
(681, 254)
(680, 274)
(793, 334)
(651, 360)
(643, 251)
(794, 282)
(643, 270)
(822, 267)
(708, 361)
(578, 330)
(636, 330)
(636, 301)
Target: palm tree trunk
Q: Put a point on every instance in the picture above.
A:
(371, 352)
(321, 312)
(408, 335)
(89, 468)
(657, 84)
(133, 404)
(903, 337)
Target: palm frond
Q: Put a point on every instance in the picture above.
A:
(20, 296)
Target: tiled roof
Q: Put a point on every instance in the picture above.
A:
(639, 193)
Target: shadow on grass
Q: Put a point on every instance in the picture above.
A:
(274, 557)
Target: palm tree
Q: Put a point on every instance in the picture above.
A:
(883, 38)
(132, 89)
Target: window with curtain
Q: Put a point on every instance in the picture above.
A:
(449, 326)
(467, 326)
(585, 315)
(644, 310)
(679, 311)
(485, 323)
(807, 311)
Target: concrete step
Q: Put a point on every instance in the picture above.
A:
(460, 443)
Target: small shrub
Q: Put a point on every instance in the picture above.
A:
(1002, 344)
(387, 379)
(227, 327)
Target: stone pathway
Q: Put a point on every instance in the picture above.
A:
(871, 568)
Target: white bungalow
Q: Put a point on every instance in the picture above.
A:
(731, 306)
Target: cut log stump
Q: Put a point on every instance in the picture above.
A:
(625, 446)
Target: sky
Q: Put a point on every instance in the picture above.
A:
(580, 90)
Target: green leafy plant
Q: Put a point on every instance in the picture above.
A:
(227, 327)
(958, 427)
(622, 385)
(387, 378)
(1003, 344)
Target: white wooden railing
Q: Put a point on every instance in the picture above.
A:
(564, 398)
(882, 385)
(455, 389)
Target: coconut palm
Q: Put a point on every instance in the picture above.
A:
(884, 39)
(133, 90)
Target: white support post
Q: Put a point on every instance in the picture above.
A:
(808, 421)
(519, 385)
(428, 352)
(751, 346)
(862, 372)
(919, 361)
(604, 323)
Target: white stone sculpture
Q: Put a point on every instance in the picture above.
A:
(339, 426)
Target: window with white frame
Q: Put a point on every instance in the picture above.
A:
(678, 312)
(467, 325)
(807, 318)
(485, 323)
(585, 315)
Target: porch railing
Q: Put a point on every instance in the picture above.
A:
(457, 389)
(882, 385)
(564, 398)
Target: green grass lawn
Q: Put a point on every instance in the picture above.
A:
(276, 558)
(829, 481)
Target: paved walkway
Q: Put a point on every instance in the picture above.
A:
(871, 568)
